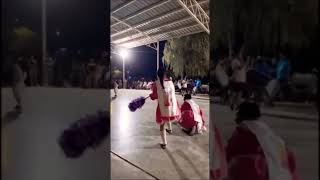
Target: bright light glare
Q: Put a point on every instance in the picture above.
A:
(124, 53)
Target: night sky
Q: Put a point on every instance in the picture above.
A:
(70, 23)
(79, 24)
(141, 62)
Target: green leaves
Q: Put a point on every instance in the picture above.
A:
(188, 55)
(24, 41)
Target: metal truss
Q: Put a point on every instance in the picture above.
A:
(155, 5)
(196, 11)
(122, 6)
(128, 25)
(153, 37)
(153, 46)
(170, 13)
(150, 30)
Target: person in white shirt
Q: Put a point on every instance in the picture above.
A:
(238, 84)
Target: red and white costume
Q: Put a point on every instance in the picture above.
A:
(168, 108)
(218, 162)
(254, 152)
(191, 116)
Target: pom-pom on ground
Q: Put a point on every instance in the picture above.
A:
(85, 133)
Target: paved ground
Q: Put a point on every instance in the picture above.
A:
(135, 137)
(29, 148)
(29, 142)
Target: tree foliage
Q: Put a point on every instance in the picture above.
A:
(263, 26)
(24, 41)
(188, 56)
(116, 74)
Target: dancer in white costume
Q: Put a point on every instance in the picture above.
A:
(168, 108)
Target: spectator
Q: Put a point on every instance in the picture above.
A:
(33, 71)
(91, 69)
(238, 80)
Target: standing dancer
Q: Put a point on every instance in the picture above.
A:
(168, 108)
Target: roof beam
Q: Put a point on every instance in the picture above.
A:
(122, 6)
(162, 39)
(152, 37)
(152, 46)
(147, 31)
(197, 13)
(143, 10)
(169, 13)
(146, 35)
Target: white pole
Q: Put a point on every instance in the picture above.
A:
(44, 40)
(158, 55)
(123, 73)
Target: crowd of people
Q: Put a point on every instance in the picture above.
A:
(92, 73)
(188, 86)
(261, 78)
(57, 71)
(139, 84)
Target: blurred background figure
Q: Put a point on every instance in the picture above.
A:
(33, 71)
(18, 83)
(91, 76)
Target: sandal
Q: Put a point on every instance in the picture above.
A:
(169, 131)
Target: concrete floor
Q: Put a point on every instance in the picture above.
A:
(135, 137)
(29, 148)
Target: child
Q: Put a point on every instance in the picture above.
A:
(168, 108)
(192, 120)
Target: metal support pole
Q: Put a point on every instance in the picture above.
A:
(158, 55)
(123, 73)
(44, 41)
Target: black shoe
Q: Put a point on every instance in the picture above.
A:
(187, 131)
(169, 131)
(18, 108)
(232, 107)
(163, 146)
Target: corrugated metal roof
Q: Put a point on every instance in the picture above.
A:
(142, 22)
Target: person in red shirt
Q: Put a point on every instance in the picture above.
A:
(192, 121)
(255, 152)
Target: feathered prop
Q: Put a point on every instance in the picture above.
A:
(137, 103)
(85, 133)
